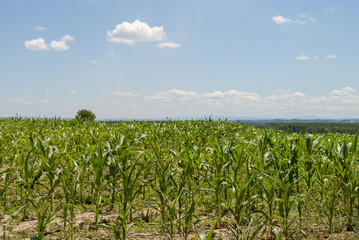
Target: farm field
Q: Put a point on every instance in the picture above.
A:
(70, 179)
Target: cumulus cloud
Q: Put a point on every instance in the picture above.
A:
(47, 90)
(282, 104)
(39, 44)
(280, 19)
(36, 44)
(216, 94)
(172, 94)
(67, 38)
(337, 103)
(344, 95)
(299, 94)
(61, 44)
(242, 95)
(182, 93)
(168, 45)
(39, 28)
(231, 95)
(72, 91)
(125, 94)
(343, 91)
(331, 56)
(94, 61)
(287, 96)
(137, 31)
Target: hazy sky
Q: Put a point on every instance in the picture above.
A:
(175, 58)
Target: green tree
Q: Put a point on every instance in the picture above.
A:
(85, 114)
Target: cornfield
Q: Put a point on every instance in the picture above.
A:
(175, 180)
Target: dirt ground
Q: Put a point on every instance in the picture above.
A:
(85, 229)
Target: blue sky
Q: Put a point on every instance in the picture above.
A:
(179, 58)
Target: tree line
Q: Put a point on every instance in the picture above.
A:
(312, 127)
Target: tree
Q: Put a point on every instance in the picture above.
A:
(85, 115)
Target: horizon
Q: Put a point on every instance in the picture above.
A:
(180, 59)
(203, 118)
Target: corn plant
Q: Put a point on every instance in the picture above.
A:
(29, 173)
(162, 184)
(6, 226)
(44, 214)
(130, 168)
(71, 184)
(255, 183)
(98, 164)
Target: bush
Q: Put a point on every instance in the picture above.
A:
(85, 115)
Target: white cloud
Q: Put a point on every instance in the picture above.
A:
(242, 95)
(20, 101)
(229, 96)
(126, 94)
(39, 28)
(280, 19)
(36, 44)
(45, 101)
(72, 91)
(67, 38)
(215, 94)
(330, 56)
(94, 61)
(338, 103)
(169, 45)
(25, 102)
(172, 94)
(299, 94)
(303, 57)
(182, 93)
(39, 44)
(47, 90)
(137, 31)
(287, 96)
(343, 91)
(344, 96)
(112, 53)
(308, 17)
(61, 44)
